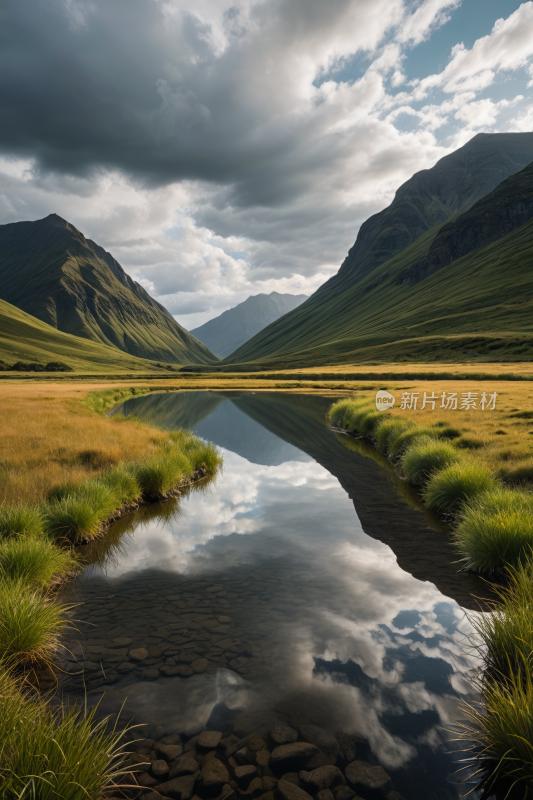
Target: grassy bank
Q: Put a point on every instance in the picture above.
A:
(68, 755)
(47, 756)
(492, 528)
(489, 501)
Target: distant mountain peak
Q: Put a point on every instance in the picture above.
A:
(233, 327)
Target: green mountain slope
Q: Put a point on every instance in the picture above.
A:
(51, 271)
(234, 327)
(25, 338)
(383, 310)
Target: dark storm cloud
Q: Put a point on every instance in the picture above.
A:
(164, 96)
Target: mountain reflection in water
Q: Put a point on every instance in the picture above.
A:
(355, 620)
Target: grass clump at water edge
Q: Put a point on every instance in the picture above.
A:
(19, 519)
(30, 623)
(425, 457)
(496, 530)
(34, 559)
(67, 755)
(449, 489)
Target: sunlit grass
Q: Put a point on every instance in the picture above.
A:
(19, 520)
(449, 489)
(495, 530)
(66, 755)
(30, 623)
(426, 456)
(34, 559)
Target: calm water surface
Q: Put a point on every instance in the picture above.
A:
(306, 575)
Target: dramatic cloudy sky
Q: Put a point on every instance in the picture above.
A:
(222, 148)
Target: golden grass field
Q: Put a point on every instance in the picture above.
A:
(47, 436)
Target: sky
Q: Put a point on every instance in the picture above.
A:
(221, 149)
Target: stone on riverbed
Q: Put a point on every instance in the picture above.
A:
(179, 788)
(151, 674)
(324, 740)
(185, 765)
(289, 791)
(244, 774)
(170, 751)
(295, 756)
(127, 666)
(139, 654)
(213, 777)
(368, 781)
(159, 767)
(200, 665)
(122, 641)
(322, 778)
(209, 740)
(281, 734)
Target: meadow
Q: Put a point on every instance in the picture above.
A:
(67, 471)
(66, 468)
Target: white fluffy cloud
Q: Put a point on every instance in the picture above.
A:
(215, 148)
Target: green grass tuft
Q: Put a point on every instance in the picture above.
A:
(500, 736)
(45, 756)
(72, 518)
(18, 520)
(157, 476)
(496, 530)
(400, 441)
(30, 623)
(426, 456)
(123, 483)
(448, 490)
(34, 559)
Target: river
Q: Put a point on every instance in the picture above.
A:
(305, 582)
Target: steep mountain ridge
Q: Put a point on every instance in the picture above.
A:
(366, 304)
(432, 196)
(234, 327)
(25, 338)
(506, 208)
(51, 271)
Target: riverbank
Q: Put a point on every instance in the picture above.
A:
(38, 549)
(492, 530)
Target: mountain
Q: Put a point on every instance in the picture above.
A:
(27, 339)
(388, 302)
(50, 270)
(234, 327)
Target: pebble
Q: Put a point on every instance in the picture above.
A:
(186, 765)
(151, 674)
(122, 641)
(170, 751)
(283, 735)
(200, 665)
(126, 666)
(243, 775)
(296, 754)
(139, 654)
(368, 780)
(179, 788)
(209, 740)
(214, 774)
(322, 778)
(289, 791)
(324, 740)
(160, 767)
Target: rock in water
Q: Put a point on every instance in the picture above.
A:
(368, 781)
